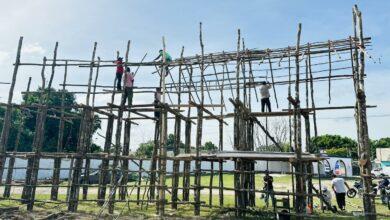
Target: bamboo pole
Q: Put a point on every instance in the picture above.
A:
(29, 170)
(176, 151)
(313, 106)
(83, 147)
(89, 131)
(273, 81)
(300, 201)
(125, 163)
(220, 162)
(364, 143)
(187, 147)
(199, 129)
(139, 180)
(11, 163)
(39, 134)
(163, 138)
(60, 142)
(7, 116)
(103, 177)
(237, 146)
(330, 70)
(117, 147)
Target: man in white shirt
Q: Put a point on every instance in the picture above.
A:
(264, 93)
(338, 186)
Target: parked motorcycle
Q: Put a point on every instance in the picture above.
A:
(384, 191)
(358, 189)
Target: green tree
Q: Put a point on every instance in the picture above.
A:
(209, 146)
(171, 142)
(325, 142)
(337, 152)
(145, 150)
(51, 126)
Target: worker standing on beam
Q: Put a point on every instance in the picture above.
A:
(128, 84)
(119, 73)
(264, 92)
(168, 60)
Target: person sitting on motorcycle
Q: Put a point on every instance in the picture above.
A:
(384, 183)
(383, 187)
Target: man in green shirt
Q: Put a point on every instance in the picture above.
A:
(168, 60)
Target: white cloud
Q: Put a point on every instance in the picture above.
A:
(4, 56)
(34, 48)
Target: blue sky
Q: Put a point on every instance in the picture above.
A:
(264, 24)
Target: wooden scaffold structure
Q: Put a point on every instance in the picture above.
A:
(190, 79)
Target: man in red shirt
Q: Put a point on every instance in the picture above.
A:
(119, 72)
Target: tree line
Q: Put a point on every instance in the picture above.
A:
(27, 119)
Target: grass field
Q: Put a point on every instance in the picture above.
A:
(281, 183)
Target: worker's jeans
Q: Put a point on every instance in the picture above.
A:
(128, 95)
(119, 81)
(264, 102)
(340, 198)
(271, 194)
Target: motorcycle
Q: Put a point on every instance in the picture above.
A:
(384, 191)
(358, 189)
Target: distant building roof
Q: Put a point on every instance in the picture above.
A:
(382, 154)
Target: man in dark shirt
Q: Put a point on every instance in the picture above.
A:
(269, 188)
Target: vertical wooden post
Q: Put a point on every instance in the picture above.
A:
(300, 201)
(162, 163)
(125, 162)
(139, 181)
(289, 103)
(89, 134)
(103, 177)
(60, 141)
(81, 150)
(237, 146)
(187, 164)
(313, 106)
(199, 128)
(95, 82)
(126, 143)
(11, 163)
(163, 136)
(330, 70)
(83, 147)
(177, 134)
(153, 162)
(187, 147)
(220, 162)
(27, 182)
(272, 78)
(309, 165)
(39, 135)
(364, 141)
(211, 183)
(114, 174)
(7, 116)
